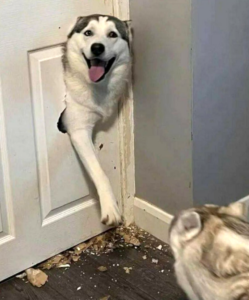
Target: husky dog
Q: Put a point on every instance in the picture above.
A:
(96, 63)
(211, 249)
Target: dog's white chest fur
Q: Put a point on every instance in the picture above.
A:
(100, 99)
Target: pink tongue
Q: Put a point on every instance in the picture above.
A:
(96, 72)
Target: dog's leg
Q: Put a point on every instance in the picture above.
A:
(82, 141)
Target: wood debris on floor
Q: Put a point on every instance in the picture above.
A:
(104, 243)
(123, 263)
(36, 277)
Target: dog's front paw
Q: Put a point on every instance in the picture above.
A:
(110, 214)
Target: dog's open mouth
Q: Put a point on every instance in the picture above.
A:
(98, 68)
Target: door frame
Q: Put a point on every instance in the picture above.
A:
(121, 10)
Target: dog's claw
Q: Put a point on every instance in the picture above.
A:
(105, 220)
(111, 216)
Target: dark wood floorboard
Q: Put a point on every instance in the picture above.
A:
(146, 281)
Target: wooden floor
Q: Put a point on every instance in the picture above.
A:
(83, 280)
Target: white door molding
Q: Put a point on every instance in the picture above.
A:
(126, 133)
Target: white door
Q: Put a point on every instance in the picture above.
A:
(47, 203)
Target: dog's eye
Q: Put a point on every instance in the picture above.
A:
(88, 33)
(112, 34)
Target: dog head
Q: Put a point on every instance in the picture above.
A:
(97, 45)
(189, 224)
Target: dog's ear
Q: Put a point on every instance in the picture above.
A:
(127, 23)
(74, 26)
(236, 209)
(189, 225)
(128, 31)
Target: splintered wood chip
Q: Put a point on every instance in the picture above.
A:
(60, 261)
(21, 276)
(154, 261)
(75, 258)
(52, 262)
(36, 277)
(102, 269)
(63, 266)
(105, 298)
(131, 240)
(56, 259)
(82, 247)
(127, 270)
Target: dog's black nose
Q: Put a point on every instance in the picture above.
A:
(97, 49)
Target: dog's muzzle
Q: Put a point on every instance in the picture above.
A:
(98, 68)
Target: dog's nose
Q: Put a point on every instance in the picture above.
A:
(97, 49)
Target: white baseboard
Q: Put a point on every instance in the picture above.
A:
(152, 219)
(155, 220)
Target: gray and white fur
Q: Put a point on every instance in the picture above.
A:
(211, 249)
(96, 63)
